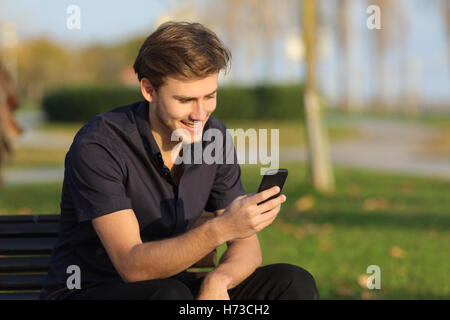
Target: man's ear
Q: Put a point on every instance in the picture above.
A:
(147, 90)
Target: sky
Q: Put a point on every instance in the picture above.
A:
(101, 20)
(112, 21)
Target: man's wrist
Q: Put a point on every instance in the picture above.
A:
(218, 277)
(218, 229)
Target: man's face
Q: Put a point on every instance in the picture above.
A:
(185, 104)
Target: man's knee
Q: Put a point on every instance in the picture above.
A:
(297, 283)
(171, 289)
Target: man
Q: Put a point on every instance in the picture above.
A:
(128, 208)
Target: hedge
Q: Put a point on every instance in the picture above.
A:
(80, 104)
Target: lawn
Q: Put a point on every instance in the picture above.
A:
(397, 222)
(27, 157)
(400, 223)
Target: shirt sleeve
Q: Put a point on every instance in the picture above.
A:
(227, 184)
(95, 179)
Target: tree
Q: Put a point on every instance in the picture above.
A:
(319, 161)
(8, 127)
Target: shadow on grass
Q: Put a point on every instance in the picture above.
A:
(415, 221)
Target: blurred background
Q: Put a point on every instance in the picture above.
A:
(359, 89)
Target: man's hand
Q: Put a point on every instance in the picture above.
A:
(214, 287)
(244, 217)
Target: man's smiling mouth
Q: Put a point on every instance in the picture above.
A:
(192, 126)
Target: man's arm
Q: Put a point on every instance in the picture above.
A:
(138, 261)
(240, 260)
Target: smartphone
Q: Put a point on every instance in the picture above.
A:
(274, 177)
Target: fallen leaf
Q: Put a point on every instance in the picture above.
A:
(368, 295)
(325, 245)
(288, 228)
(397, 252)
(283, 226)
(376, 204)
(24, 210)
(344, 290)
(362, 280)
(305, 203)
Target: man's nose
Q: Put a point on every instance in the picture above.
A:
(199, 112)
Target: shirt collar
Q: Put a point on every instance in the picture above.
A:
(143, 124)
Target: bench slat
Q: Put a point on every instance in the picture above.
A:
(36, 218)
(19, 296)
(21, 281)
(26, 245)
(30, 264)
(47, 229)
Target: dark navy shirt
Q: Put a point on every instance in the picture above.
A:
(113, 164)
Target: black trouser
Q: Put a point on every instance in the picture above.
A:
(272, 282)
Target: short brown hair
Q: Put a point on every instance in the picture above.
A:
(180, 48)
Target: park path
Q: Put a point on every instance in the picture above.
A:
(387, 145)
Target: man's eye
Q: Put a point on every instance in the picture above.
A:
(184, 100)
(210, 97)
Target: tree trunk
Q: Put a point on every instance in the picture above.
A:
(319, 159)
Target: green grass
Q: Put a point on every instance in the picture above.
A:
(61, 128)
(425, 118)
(398, 222)
(30, 199)
(292, 133)
(36, 157)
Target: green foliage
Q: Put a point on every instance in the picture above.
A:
(280, 102)
(264, 102)
(80, 104)
(75, 104)
(235, 103)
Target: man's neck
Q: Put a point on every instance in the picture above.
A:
(163, 137)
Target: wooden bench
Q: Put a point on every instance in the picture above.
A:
(26, 242)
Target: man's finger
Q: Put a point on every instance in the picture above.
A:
(267, 218)
(263, 195)
(269, 205)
